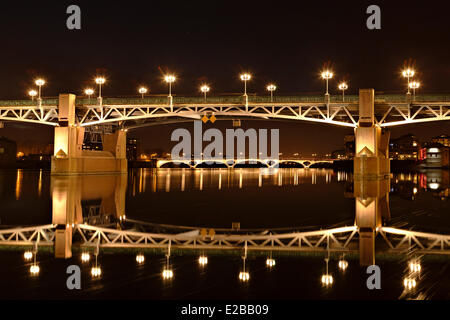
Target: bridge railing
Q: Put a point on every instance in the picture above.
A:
(237, 99)
(27, 103)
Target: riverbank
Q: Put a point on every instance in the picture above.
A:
(337, 165)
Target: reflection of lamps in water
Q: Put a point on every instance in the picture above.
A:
(434, 185)
(343, 264)
(167, 273)
(327, 279)
(409, 283)
(28, 255)
(270, 262)
(34, 269)
(140, 258)
(244, 275)
(203, 260)
(96, 272)
(85, 257)
(414, 266)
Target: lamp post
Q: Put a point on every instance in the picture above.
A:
(32, 94)
(408, 73)
(246, 77)
(89, 92)
(170, 79)
(327, 75)
(143, 91)
(414, 85)
(100, 81)
(343, 86)
(40, 83)
(204, 88)
(271, 88)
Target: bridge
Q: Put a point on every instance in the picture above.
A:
(390, 110)
(235, 163)
(368, 114)
(340, 240)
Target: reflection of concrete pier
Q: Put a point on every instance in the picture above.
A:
(371, 174)
(372, 205)
(67, 195)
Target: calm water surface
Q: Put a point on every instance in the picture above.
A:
(307, 199)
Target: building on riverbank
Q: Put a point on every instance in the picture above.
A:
(8, 152)
(443, 139)
(406, 147)
(437, 156)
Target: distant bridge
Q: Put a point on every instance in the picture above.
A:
(390, 110)
(233, 163)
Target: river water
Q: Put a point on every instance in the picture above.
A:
(300, 199)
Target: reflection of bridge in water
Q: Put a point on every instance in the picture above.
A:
(105, 226)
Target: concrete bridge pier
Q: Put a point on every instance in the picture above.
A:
(371, 176)
(69, 157)
(371, 141)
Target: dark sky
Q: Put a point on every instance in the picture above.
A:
(288, 42)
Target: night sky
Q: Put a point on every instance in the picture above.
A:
(133, 43)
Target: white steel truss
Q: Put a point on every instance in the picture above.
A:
(342, 114)
(336, 239)
(335, 113)
(414, 113)
(43, 115)
(42, 235)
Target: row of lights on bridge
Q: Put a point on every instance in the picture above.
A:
(170, 78)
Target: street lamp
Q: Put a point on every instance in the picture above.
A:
(343, 86)
(414, 85)
(32, 94)
(39, 83)
(89, 92)
(245, 77)
(408, 73)
(204, 88)
(327, 75)
(142, 91)
(271, 88)
(170, 79)
(100, 81)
